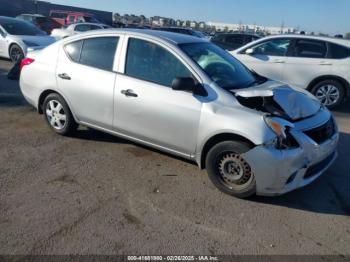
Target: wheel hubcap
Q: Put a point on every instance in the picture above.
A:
(16, 54)
(55, 115)
(234, 171)
(328, 95)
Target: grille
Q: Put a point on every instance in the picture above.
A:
(322, 133)
(314, 170)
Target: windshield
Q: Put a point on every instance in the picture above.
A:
(220, 66)
(21, 28)
(199, 34)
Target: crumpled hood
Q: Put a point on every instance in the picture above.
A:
(296, 103)
(43, 41)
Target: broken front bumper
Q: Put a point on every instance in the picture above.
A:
(280, 171)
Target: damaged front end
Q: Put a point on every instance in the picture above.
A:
(282, 107)
(279, 100)
(305, 143)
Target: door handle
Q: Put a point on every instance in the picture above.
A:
(129, 93)
(279, 61)
(325, 63)
(64, 76)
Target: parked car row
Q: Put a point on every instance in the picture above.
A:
(74, 29)
(188, 97)
(18, 37)
(26, 33)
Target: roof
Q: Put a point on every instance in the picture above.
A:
(4, 19)
(335, 40)
(71, 12)
(170, 37)
(237, 33)
(35, 15)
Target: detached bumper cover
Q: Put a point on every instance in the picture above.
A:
(280, 171)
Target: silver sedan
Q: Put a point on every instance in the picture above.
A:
(188, 97)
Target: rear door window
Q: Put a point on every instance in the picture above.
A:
(338, 51)
(95, 52)
(310, 48)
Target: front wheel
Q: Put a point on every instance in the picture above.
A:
(16, 53)
(331, 93)
(229, 171)
(58, 115)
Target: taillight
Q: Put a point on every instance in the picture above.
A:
(25, 62)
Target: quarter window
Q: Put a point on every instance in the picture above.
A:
(95, 52)
(275, 47)
(73, 50)
(310, 48)
(338, 51)
(150, 62)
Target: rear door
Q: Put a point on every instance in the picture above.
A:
(86, 78)
(268, 58)
(307, 60)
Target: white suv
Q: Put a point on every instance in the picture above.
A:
(318, 64)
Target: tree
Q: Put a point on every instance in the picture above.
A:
(347, 35)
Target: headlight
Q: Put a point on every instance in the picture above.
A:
(28, 43)
(284, 139)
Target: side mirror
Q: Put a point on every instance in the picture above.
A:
(188, 84)
(249, 51)
(3, 34)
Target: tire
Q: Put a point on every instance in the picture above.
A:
(16, 53)
(58, 115)
(331, 93)
(228, 171)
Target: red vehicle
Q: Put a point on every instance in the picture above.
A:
(70, 17)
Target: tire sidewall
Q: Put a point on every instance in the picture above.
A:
(10, 51)
(335, 83)
(71, 125)
(213, 171)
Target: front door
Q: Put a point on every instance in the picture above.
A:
(267, 58)
(147, 108)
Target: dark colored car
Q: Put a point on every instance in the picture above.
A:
(180, 30)
(232, 41)
(46, 24)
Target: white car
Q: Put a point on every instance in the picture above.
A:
(18, 37)
(74, 29)
(319, 64)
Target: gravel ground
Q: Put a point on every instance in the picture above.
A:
(98, 194)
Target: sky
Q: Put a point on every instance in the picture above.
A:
(326, 16)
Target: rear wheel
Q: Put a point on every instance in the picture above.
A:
(16, 53)
(229, 171)
(331, 93)
(58, 115)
